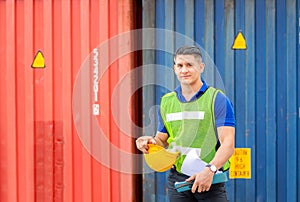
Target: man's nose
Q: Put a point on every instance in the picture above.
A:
(184, 68)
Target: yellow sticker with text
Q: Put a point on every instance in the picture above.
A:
(240, 164)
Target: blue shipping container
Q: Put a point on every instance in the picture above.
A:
(262, 82)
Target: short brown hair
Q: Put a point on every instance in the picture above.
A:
(189, 50)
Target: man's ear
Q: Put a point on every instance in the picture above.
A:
(202, 66)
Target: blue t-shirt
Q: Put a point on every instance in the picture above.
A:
(224, 114)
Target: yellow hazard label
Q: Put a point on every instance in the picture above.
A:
(239, 42)
(240, 164)
(39, 60)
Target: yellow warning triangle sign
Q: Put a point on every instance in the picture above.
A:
(239, 42)
(39, 60)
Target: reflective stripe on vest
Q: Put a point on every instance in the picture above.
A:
(185, 116)
(183, 150)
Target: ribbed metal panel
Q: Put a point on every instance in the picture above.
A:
(42, 156)
(262, 82)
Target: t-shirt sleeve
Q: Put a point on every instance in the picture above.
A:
(160, 124)
(224, 113)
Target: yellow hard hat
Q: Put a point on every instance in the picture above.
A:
(160, 159)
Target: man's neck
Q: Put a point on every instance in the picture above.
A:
(188, 91)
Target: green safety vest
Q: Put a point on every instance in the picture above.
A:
(191, 125)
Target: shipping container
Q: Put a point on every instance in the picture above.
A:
(71, 103)
(53, 91)
(261, 81)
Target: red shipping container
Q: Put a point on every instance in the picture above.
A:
(44, 45)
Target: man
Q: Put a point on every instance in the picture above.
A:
(195, 116)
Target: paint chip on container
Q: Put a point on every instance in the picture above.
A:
(239, 42)
(38, 61)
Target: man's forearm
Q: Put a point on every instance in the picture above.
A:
(226, 137)
(161, 139)
(222, 155)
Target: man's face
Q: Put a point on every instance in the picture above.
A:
(188, 69)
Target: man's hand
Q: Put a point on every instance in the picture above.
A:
(202, 180)
(142, 143)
